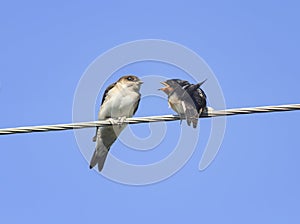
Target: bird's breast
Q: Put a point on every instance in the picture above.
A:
(176, 104)
(119, 104)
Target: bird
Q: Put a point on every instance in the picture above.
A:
(186, 99)
(120, 101)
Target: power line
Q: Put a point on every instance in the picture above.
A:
(137, 120)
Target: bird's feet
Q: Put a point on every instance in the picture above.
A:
(118, 122)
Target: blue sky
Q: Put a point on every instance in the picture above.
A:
(253, 49)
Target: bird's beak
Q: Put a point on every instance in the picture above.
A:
(140, 82)
(163, 88)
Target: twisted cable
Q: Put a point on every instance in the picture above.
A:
(137, 120)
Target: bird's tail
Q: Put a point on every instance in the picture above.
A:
(99, 156)
(105, 137)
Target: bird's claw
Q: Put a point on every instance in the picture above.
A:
(119, 121)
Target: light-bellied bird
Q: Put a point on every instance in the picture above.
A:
(120, 100)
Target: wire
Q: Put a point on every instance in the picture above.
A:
(137, 120)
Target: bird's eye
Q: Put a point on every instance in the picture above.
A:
(129, 78)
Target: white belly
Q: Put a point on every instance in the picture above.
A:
(119, 106)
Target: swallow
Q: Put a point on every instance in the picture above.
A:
(120, 100)
(186, 99)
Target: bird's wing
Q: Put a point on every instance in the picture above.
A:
(104, 98)
(192, 103)
(199, 98)
(106, 92)
(190, 111)
(197, 95)
(136, 105)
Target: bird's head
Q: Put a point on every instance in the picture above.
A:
(131, 82)
(172, 84)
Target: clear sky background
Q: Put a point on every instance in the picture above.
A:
(252, 47)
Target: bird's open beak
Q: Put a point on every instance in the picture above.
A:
(164, 88)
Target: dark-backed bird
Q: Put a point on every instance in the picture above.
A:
(186, 99)
(120, 101)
